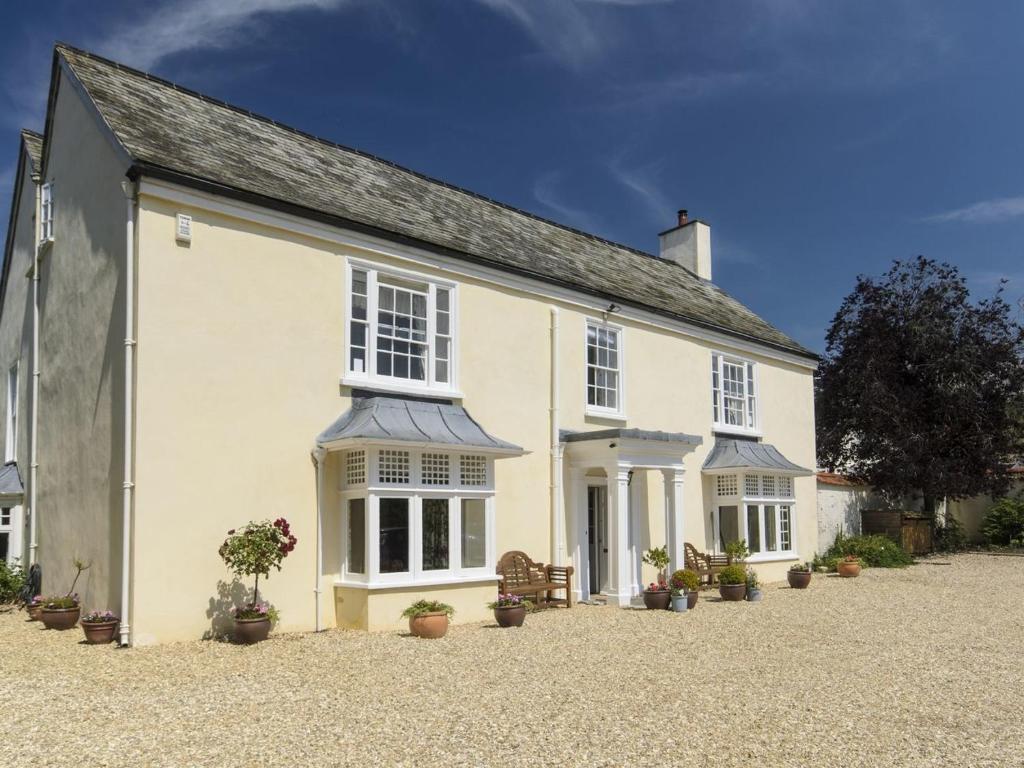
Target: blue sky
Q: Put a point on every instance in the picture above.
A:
(819, 139)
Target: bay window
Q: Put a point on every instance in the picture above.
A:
(733, 393)
(416, 516)
(756, 507)
(400, 329)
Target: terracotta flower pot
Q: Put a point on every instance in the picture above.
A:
(35, 612)
(733, 593)
(799, 579)
(691, 599)
(429, 625)
(60, 618)
(250, 631)
(848, 570)
(100, 632)
(657, 600)
(510, 615)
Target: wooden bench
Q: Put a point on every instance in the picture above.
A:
(707, 565)
(521, 576)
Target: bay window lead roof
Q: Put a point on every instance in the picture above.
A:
(172, 133)
(10, 480)
(744, 454)
(391, 419)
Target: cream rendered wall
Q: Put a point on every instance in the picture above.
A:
(82, 354)
(240, 348)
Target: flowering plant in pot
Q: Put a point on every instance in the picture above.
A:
(799, 576)
(685, 582)
(754, 593)
(62, 612)
(428, 618)
(100, 627)
(510, 610)
(732, 583)
(254, 551)
(657, 595)
(35, 608)
(849, 567)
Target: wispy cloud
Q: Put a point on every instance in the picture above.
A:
(642, 180)
(985, 211)
(545, 191)
(185, 25)
(677, 89)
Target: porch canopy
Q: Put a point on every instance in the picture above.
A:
(11, 490)
(738, 455)
(618, 452)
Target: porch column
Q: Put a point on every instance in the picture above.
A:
(674, 507)
(620, 584)
(577, 494)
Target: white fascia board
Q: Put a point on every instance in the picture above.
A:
(182, 195)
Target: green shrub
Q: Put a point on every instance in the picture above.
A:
(11, 581)
(421, 607)
(1003, 524)
(874, 551)
(950, 536)
(685, 580)
(732, 574)
(737, 550)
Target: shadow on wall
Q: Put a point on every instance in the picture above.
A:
(221, 611)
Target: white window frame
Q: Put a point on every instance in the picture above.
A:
(369, 376)
(619, 412)
(11, 440)
(46, 209)
(741, 500)
(417, 492)
(751, 401)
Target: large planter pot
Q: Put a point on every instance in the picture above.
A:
(754, 595)
(732, 593)
(848, 570)
(799, 579)
(508, 616)
(691, 599)
(100, 632)
(60, 618)
(249, 631)
(679, 603)
(429, 625)
(35, 612)
(657, 600)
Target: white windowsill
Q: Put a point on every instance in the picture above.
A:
(598, 413)
(359, 382)
(772, 557)
(739, 431)
(448, 581)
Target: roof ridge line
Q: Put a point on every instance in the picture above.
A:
(362, 153)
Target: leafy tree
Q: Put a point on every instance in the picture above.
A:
(920, 388)
(257, 548)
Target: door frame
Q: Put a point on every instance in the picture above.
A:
(602, 559)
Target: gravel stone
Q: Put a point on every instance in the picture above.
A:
(918, 667)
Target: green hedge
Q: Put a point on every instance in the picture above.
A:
(1003, 524)
(875, 551)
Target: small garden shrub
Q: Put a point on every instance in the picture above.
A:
(11, 581)
(733, 574)
(874, 551)
(1003, 524)
(684, 580)
(421, 607)
(950, 536)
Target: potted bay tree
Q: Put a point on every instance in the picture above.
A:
(657, 595)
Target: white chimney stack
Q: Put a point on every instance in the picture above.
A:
(689, 245)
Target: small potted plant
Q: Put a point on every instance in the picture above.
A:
(253, 551)
(754, 593)
(657, 595)
(100, 627)
(685, 582)
(35, 608)
(510, 610)
(799, 576)
(736, 551)
(732, 583)
(849, 567)
(428, 618)
(62, 612)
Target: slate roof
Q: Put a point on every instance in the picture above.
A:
(414, 421)
(34, 147)
(167, 129)
(568, 436)
(10, 480)
(745, 454)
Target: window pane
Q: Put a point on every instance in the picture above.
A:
(442, 300)
(441, 372)
(728, 525)
(769, 528)
(784, 528)
(474, 533)
(753, 528)
(357, 536)
(435, 534)
(394, 535)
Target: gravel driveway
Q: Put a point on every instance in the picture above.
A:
(906, 668)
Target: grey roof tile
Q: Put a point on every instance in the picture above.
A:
(168, 127)
(34, 147)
